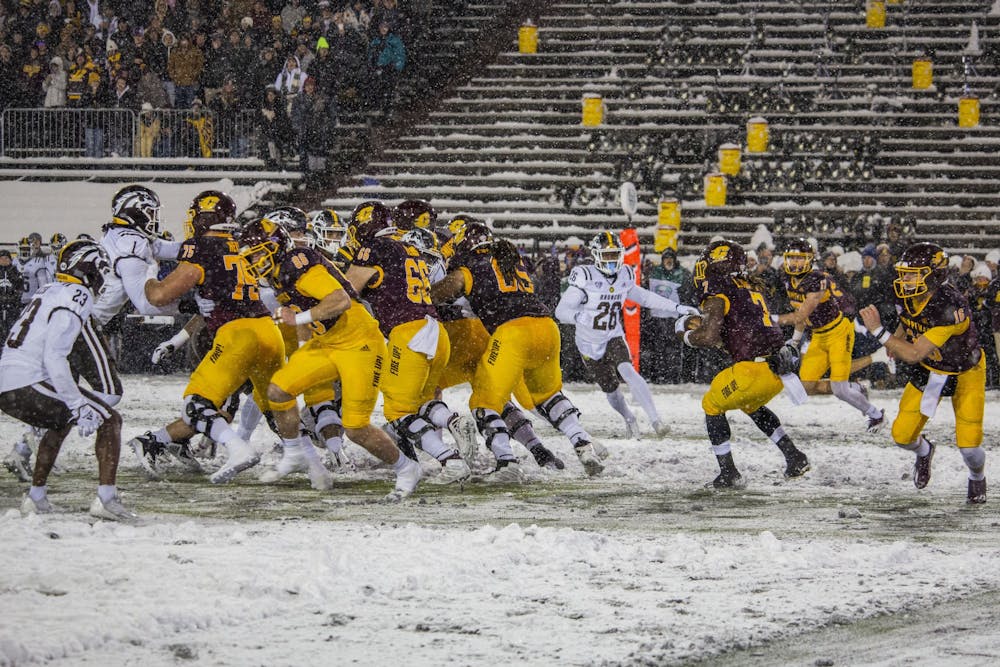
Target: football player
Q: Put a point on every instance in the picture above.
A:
(56, 244)
(33, 265)
(37, 385)
(736, 318)
(524, 343)
(393, 278)
(468, 339)
(815, 297)
(327, 231)
(593, 302)
(346, 344)
(937, 334)
(246, 343)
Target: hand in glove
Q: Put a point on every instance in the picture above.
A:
(687, 311)
(168, 347)
(680, 326)
(87, 419)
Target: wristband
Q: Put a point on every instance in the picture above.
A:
(774, 318)
(687, 338)
(180, 338)
(797, 335)
(882, 335)
(305, 317)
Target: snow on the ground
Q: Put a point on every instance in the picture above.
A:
(641, 566)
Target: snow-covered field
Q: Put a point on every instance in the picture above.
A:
(850, 565)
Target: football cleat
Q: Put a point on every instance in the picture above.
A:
(507, 472)
(632, 431)
(977, 492)
(546, 459)
(406, 481)
(463, 429)
(148, 451)
(41, 506)
(796, 465)
(588, 457)
(112, 510)
(728, 480)
(19, 465)
(922, 468)
(453, 470)
(875, 423)
(294, 459)
(661, 429)
(241, 457)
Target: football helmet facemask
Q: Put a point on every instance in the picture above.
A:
(423, 240)
(922, 268)
(473, 235)
(798, 257)
(57, 241)
(607, 252)
(264, 245)
(141, 197)
(328, 229)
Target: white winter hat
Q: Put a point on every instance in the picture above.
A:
(993, 256)
(849, 262)
(982, 271)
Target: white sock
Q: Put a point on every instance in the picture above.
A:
(248, 418)
(439, 414)
(162, 436)
(106, 492)
(850, 393)
(36, 493)
(432, 443)
(617, 401)
(640, 390)
(722, 449)
(334, 443)
(923, 447)
(221, 432)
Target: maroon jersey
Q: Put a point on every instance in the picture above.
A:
(295, 265)
(747, 331)
(828, 311)
(494, 298)
(993, 304)
(400, 290)
(947, 307)
(226, 291)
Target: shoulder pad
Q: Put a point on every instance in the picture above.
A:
(578, 277)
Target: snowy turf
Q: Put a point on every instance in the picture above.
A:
(642, 566)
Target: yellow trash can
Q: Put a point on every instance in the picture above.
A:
(668, 225)
(593, 110)
(527, 38)
(968, 112)
(757, 135)
(729, 159)
(715, 189)
(923, 74)
(875, 16)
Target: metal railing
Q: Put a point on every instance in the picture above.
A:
(99, 133)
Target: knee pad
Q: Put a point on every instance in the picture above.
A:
(408, 430)
(514, 418)
(490, 425)
(324, 414)
(232, 403)
(557, 409)
(200, 413)
(426, 410)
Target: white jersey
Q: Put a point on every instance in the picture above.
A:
(594, 303)
(36, 272)
(133, 262)
(42, 338)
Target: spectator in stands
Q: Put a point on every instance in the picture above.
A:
(347, 50)
(11, 289)
(149, 129)
(313, 117)
(291, 15)
(992, 260)
(358, 16)
(961, 276)
(829, 264)
(290, 80)
(9, 74)
(150, 87)
(185, 65)
(895, 240)
(218, 66)
(323, 69)
(386, 59)
(32, 75)
(76, 82)
(149, 45)
(200, 130)
(95, 97)
(54, 84)
(230, 121)
(122, 97)
(274, 126)
(386, 11)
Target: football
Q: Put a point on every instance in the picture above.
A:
(693, 322)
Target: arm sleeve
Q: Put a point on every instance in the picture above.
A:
(569, 304)
(62, 331)
(166, 249)
(133, 272)
(647, 299)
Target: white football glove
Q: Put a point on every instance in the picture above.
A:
(680, 326)
(87, 419)
(168, 347)
(687, 310)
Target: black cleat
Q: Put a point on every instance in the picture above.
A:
(796, 465)
(922, 468)
(977, 492)
(546, 459)
(728, 480)
(875, 423)
(148, 451)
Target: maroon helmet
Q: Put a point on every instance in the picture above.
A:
(211, 210)
(922, 268)
(798, 257)
(414, 213)
(723, 258)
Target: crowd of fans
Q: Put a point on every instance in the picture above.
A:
(291, 65)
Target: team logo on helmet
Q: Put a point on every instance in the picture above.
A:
(413, 214)
(83, 262)
(607, 252)
(798, 257)
(140, 197)
(724, 258)
(211, 210)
